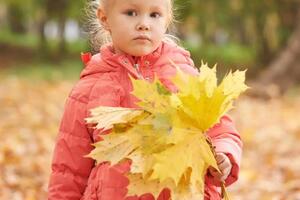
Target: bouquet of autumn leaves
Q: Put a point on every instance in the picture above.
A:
(165, 138)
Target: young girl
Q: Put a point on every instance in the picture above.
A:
(138, 47)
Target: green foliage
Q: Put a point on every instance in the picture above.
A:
(254, 31)
(14, 39)
(233, 33)
(232, 54)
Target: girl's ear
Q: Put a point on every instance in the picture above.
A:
(102, 18)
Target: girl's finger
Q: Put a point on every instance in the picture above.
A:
(224, 165)
(225, 174)
(220, 158)
(213, 171)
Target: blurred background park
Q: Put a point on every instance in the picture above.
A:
(40, 46)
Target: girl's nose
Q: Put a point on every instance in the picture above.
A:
(143, 26)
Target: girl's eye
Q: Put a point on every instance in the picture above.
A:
(155, 15)
(131, 13)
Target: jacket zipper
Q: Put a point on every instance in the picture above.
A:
(137, 68)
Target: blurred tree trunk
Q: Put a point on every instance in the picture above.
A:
(52, 9)
(42, 19)
(284, 70)
(61, 29)
(16, 18)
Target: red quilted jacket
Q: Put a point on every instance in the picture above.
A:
(105, 81)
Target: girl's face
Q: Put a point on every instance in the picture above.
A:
(137, 27)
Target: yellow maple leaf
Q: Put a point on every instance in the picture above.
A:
(206, 102)
(108, 116)
(139, 186)
(165, 138)
(192, 152)
(153, 97)
(114, 148)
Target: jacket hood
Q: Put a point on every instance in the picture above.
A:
(108, 61)
(96, 64)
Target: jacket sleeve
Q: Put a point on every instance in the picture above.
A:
(70, 169)
(106, 92)
(226, 139)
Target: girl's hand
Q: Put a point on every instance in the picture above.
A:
(224, 165)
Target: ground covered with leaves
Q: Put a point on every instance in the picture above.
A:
(29, 118)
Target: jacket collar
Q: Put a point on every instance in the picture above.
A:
(108, 61)
(128, 61)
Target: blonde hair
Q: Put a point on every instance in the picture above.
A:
(99, 36)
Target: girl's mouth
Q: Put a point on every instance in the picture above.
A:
(142, 38)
